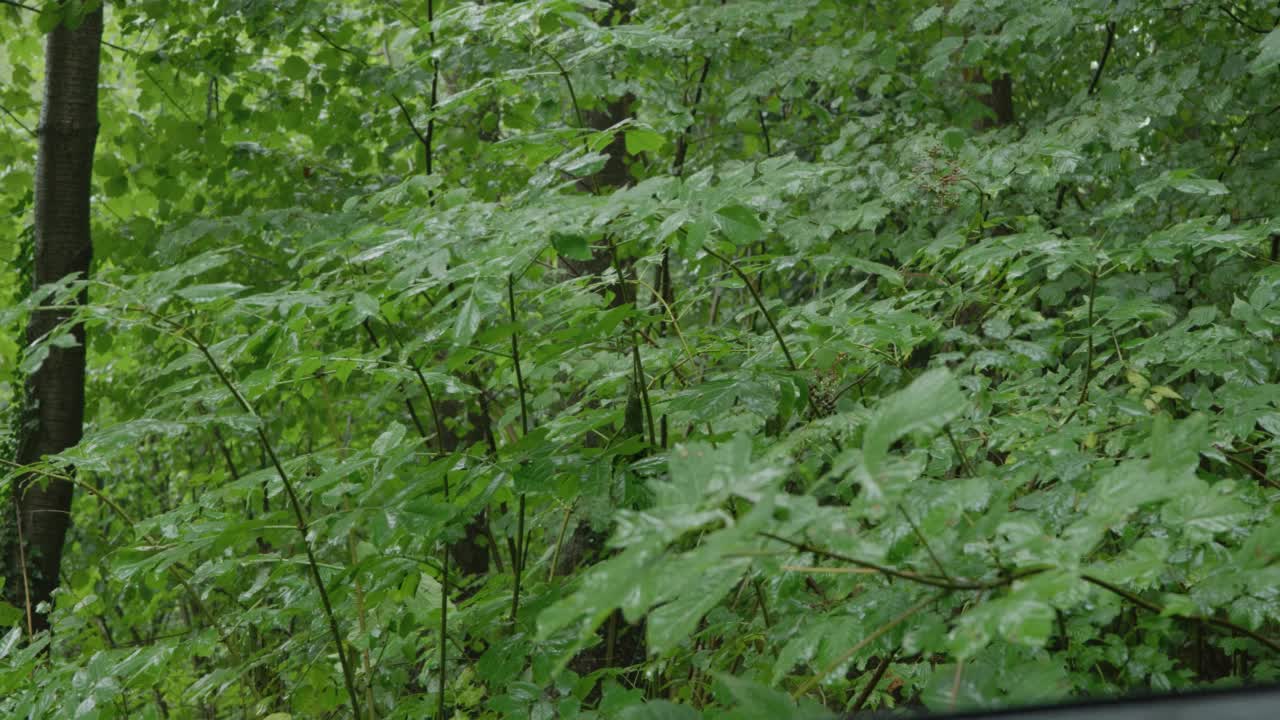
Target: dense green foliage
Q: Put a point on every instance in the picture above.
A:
(764, 324)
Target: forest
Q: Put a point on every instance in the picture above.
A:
(638, 359)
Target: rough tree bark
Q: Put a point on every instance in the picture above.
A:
(67, 133)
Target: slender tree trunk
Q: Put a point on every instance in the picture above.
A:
(55, 392)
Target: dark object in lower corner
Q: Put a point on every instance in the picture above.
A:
(1256, 703)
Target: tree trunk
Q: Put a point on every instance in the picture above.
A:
(999, 100)
(55, 392)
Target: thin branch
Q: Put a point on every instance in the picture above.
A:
(1075, 195)
(1235, 152)
(955, 684)
(1241, 22)
(764, 608)
(568, 82)
(23, 6)
(1259, 474)
(577, 109)
(426, 388)
(1106, 52)
(932, 581)
(226, 454)
(343, 441)
(409, 119)
(338, 47)
(759, 302)
(517, 557)
(164, 91)
(764, 130)
(666, 305)
(425, 139)
(515, 356)
(668, 297)
(682, 144)
(18, 120)
(66, 477)
(428, 151)
(413, 411)
(854, 383)
(296, 503)
(1159, 609)
(1008, 580)
(964, 459)
(643, 386)
(828, 570)
(444, 626)
(555, 554)
(129, 522)
(1243, 132)
(942, 570)
(871, 684)
(26, 583)
(431, 131)
(125, 50)
(1088, 365)
(880, 631)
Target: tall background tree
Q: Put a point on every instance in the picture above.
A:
(53, 413)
